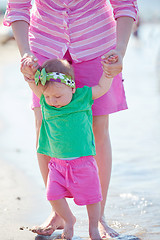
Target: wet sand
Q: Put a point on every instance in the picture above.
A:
(17, 203)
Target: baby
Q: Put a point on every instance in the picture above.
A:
(66, 136)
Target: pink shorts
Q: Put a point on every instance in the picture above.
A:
(88, 73)
(76, 179)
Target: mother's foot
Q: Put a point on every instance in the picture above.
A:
(105, 230)
(49, 226)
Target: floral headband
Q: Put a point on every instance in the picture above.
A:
(43, 77)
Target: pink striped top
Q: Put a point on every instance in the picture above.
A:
(85, 27)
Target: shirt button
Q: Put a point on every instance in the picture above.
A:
(65, 14)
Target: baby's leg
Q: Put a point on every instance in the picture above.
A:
(61, 207)
(94, 216)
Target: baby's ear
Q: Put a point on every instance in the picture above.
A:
(73, 90)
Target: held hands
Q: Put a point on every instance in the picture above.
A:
(29, 66)
(112, 63)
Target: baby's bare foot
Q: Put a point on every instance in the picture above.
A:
(69, 229)
(49, 226)
(105, 230)
(94, 233)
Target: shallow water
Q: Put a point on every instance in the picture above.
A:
(133, 201)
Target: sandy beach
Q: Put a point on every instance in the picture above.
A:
(133, 201)
(17, 195)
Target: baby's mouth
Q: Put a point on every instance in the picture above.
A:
(57, 106)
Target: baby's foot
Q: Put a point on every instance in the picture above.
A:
(49, 226)
(106, 231)
(68, 229)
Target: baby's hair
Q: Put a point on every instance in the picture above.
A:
(58, 65)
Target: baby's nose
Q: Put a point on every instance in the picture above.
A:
(54, 101)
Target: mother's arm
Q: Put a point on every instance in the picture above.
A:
(29, 63)
(18, 16)
(20, 31)
(125, 12)
(123, 32)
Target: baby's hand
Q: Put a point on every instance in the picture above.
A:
(109, 60)
(29, 66)
(112, 63)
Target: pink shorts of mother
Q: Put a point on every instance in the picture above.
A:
(88, 73)
(77, 178)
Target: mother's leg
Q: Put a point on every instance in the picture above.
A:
(54, 221)
(104, 162)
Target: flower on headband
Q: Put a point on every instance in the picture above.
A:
(69, 82)
(57, 75)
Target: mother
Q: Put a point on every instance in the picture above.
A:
(82, 31)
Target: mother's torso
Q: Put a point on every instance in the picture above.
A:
(86, 28)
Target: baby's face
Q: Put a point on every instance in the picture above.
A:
(58, 94)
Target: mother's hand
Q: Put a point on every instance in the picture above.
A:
(111, 69)
(29, 66)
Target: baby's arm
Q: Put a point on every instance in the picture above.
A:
(38, 90)
(102, 87)
(104, 82)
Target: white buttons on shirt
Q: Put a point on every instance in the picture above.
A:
(65, 22)
(65, 14)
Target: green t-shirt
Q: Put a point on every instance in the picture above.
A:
(67, 131)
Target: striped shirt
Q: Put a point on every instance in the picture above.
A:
(86, 28)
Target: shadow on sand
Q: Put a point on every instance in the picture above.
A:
(52, 237)
(127, 237)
